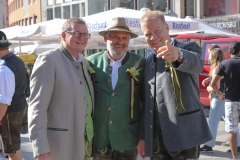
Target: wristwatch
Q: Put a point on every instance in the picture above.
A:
(180, 53)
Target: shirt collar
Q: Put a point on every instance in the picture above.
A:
(78, 59)
(117, 61)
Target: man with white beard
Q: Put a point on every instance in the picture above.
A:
(118, 85)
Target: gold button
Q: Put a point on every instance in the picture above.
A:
(110, 69)
(109, 80)
(110, 122)
(113, 94)
(77, 67)
(109, 108)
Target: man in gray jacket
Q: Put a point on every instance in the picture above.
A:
(173, 124)
(62, 99)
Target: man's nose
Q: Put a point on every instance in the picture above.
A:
(153, 36)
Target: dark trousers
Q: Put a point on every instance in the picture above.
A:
(109, 154)
(160, 151)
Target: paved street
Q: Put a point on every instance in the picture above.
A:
(220, 152)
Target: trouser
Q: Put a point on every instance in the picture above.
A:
(160, 151)
(109, 154)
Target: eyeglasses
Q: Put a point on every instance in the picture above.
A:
(79, 34)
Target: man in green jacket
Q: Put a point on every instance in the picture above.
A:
(118, 86)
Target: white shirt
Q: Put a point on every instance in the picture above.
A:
(115, 65)
(79, 58)
(7, 85)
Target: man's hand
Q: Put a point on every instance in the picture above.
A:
(205, 81)
(141, 148)
(168, 52)
(221, 96)
(45, 156)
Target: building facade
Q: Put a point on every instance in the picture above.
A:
(222, 13)
(24, 12)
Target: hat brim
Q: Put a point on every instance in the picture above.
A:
(5, 44)
(132, 35)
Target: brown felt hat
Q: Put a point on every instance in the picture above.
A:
(118, 24)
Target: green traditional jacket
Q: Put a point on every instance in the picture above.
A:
(113, 123)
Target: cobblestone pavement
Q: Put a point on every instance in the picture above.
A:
(220, 152)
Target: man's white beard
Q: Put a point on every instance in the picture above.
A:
(113, 52)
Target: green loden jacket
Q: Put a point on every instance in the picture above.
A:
(113, 123)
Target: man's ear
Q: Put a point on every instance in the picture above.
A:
(105, 38)
(63, 35)
(167, 27)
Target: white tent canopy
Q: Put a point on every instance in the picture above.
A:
(49, 31)
(98, 21)
(38, 48)
(208, 29)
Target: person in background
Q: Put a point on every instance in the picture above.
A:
(118, 86)
(216, 56)
(13, 104)
(230, 70)
(172, 124)
(62, 99)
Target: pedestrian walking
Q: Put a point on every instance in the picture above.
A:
(13, 104)
(230, 70)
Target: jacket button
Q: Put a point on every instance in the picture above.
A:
(109, 80)
(151, 97)
(85, 98)
(110, 122)
(153, 67)
(80, 82)
(113, 94)
(77, 67)
(150, 111)
(109, 108)
(110, 69)
(150, 126)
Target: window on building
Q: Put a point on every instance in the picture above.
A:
(66, 1)
(221, 7)
(23, 22)
(35, 19)
(162, 5)
(82, 10)
(30, 21)
(49, 14)
(122, 3)
(26, 21)
(66, 12)
(58, 12)
(75, 10)
(49, 2)
(189, 8)
(59, 1)
(96, 6)
(29, 1)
